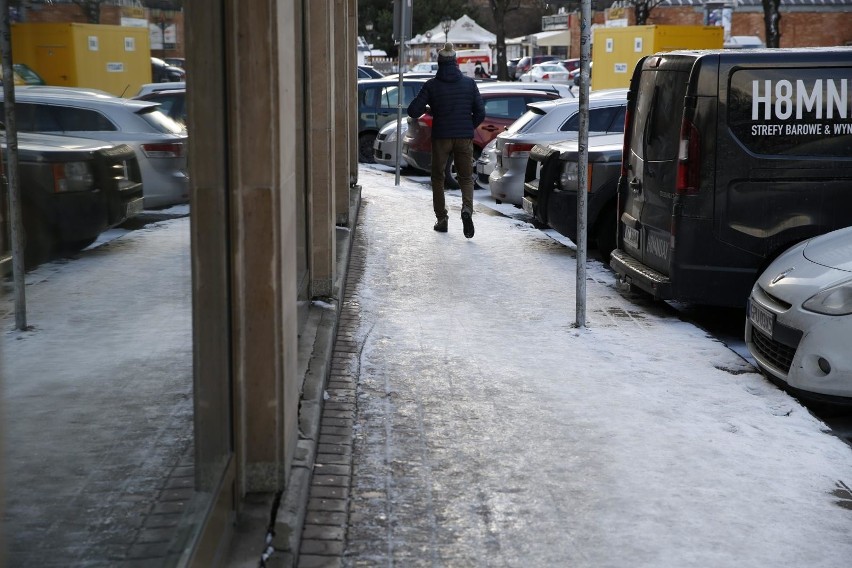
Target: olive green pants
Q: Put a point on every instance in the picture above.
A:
(461, 151)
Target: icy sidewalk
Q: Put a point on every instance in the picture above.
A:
(490, 431)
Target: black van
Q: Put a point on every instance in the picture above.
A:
(730, 158)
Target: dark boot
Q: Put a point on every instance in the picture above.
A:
(441, 225)
(468, 224)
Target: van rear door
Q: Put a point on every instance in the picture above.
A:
(659, 87)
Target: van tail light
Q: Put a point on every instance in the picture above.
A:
(689, 159)
(517, 150)
(625, 147)
(425, 120)
(163, 150)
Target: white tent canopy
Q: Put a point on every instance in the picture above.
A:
(462, 31)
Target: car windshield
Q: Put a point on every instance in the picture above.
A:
(161, 122)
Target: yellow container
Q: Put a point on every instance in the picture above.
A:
(116, 59)
(617, 50)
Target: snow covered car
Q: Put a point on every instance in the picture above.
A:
(799, 319)
(384, 148)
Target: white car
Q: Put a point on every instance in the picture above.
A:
(384, 147)
(547, 73)
(425, 67)
(544, 123)
(485, 164)
(799, 320)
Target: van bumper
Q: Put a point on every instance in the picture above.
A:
(632, 272)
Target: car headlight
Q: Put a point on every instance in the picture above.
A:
(72, 176)
(835, 300)
(570, 177)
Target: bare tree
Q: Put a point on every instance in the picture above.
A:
(91, 9)
(772, 22)
(499, 8)
(642, 9)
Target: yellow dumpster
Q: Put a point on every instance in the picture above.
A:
(616, 50)
(116, 59)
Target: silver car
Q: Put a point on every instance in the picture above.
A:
(543, 123)
(159, 142)
(485, 164)
(384, 147)
(799, 319)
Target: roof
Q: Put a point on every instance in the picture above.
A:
(757, 4)
(463, 30)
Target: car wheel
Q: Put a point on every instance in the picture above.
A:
(605, 234)
(450, 175)
(75, 246)
(365, 148)
(38, 238)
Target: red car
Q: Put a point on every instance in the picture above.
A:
(502, 107)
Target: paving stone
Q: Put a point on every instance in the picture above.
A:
(331, 480)
(324, 532)
(330, 505)
(321, 547)
(313, 561)
(334, 518)
(325, 492)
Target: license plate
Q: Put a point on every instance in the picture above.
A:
(631, 236)
(761, 318)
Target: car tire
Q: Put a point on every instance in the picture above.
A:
(75, 246)
(605, 232)
(365, 148)
(39, 240)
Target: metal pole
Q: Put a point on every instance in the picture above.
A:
(583, 157)
(405, 6)
(11, 169)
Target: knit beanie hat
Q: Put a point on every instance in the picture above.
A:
(447, 53)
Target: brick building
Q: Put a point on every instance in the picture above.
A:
(113, 13)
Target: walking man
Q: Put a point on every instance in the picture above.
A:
(457, 109)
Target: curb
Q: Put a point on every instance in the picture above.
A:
(315, 365)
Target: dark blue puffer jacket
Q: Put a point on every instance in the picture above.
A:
(455, 102)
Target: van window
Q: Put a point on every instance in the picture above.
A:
(806, 113)
(659, 92)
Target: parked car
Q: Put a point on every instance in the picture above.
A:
(72, 189)
(570, 64)
(378, 103)
(384, 148)
(176, 62)
(799, 320)
(159, 142)
(23, 75)
(172, 102)
(162, 72)
(546, 73)
(526, 62)
(558, 90)
(485, 164)
(152, 87)
(547, 122)
(502, 108)
(550, 190)
(430, 67)
(369, 72)
(731, 157)
(512, 67)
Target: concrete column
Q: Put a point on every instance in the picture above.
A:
(320, 83)
(352, 67)
(341, 68)
(258, 195)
